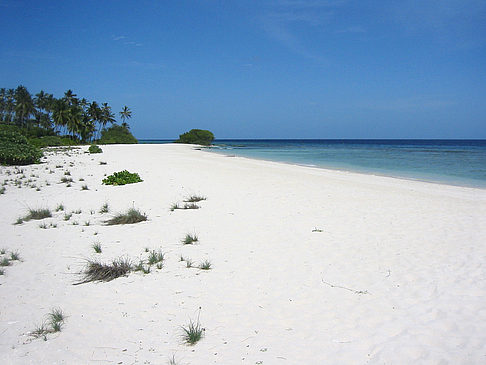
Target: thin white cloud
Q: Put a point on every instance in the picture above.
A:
(283, 17)
(119, 37)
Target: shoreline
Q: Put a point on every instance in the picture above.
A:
(348, 171)
(308, 265)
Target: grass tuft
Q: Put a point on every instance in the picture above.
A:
(190, 239)
(68, 216)
(191, 206)
(56, 319)
(155, 257)
(84, 187)
(131, 216)
(205, 265)
(60, 207)
(14, 256)
(192, 333)
(97, 247)
(104, 208)
(194, 199)
(37, 214)
(97, 271)
(5, 262)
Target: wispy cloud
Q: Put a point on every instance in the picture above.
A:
(125, 40)
(282, 19)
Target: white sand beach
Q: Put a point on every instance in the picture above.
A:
(309, 266)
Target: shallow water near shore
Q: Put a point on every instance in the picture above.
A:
(453, 162)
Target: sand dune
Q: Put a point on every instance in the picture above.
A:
(309, 266)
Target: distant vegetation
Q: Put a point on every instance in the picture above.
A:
(196, 136)
(30, 122)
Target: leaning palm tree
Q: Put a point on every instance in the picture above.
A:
(125, 114)
(106, 115)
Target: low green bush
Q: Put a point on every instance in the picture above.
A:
(117, 134)
(122, 178)
(196, 136)
(16, 150)
(52, 141)
(94, 149)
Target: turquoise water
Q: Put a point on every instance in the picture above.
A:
(456, 162)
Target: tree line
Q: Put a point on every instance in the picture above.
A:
(69, 115)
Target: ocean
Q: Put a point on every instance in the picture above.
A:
(454, 162)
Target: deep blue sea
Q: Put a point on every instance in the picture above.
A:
(456, 162)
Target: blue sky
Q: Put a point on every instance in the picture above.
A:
(260, 69)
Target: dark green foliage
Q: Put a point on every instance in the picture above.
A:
(16, 150)
(97, 271)
(196, 136)
(131, 216)
(94, 149)
(117, 134)
(122, 178)
(53, 141)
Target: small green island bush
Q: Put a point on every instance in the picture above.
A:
(15, 149)
(122, 178)
(117, 134)
(95, 149)
(196, 136)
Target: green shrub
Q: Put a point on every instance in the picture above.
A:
(130, 217)
(122, 178)
(196, 136)
(52, 141)
(94, 149)
(117, 134)
(16, 150)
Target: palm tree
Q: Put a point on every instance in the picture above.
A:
(125, 114)
(106, 115)
(60, 113)
(70, 97)
(24, 105)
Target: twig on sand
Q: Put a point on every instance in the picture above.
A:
(343, 287)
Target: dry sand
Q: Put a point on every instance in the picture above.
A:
(396, 274)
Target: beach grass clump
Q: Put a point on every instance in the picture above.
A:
(194, 199)
(174, 206)
(205, 265)
(192, 333)
(191, 206)
(97, 247)
(130, 217)
(35, 214)
(189, 263)
(189, 239)
(155, 257)
(14, 256)
(84, 187)
(60, 207)
(98, 271)
(2, 190)
(67, 216)
(122, 178)
(66, 180)
(95, 149)
(56, 319)
(105, 208)
(5, 262)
